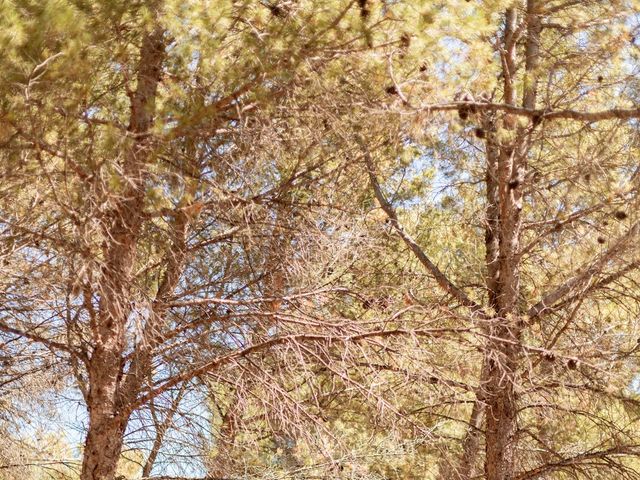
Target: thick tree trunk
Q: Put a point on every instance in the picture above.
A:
(106, 420)
(464, 469)
(465, 466)
(501, 412)
(505, 178)
(106, 425)
(108, 396)
(102, 447)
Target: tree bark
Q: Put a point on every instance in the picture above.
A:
(501, 408)
(103, 445)
(505, 196)
(106, 399)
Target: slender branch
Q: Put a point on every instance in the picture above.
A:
(580, 279)
(227, 235)
(273, 342)
(538, 114)
(52, 344)
(623, 450)
(225, 301)
(214, 109)
(437, 274)
(602, 283)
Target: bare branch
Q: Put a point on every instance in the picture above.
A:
(52, 344)
(431, 267)
(537, 114)
(580, 279)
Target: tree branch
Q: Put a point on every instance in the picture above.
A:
(422, 257)
(582, 278)
(538, 114)
(623, 450)
(258, 347)
(52, 344)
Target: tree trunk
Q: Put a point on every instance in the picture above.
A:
(102, 447)
(106, 426)
(222, 462)
(501, 410)
(108, 396)
(505, 200)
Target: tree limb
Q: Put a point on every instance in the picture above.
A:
(52, 344)
(580, 279)
(538, 114)
(422, 257)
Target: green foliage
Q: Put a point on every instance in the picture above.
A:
(260, 123)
